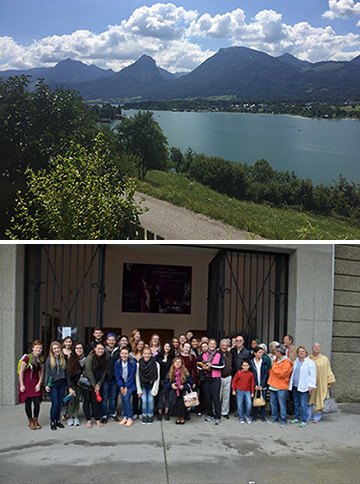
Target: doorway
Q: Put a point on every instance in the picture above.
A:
(248, 294)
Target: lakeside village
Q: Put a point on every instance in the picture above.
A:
(109, 112)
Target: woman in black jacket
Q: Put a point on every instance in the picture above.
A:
(73, 372)
(95, 370)
(260, 367)
(164, 358)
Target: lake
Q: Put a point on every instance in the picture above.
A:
(318, 149)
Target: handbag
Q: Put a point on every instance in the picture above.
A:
(191, 399)
(258, 401)
(330, 404)
(84, 383)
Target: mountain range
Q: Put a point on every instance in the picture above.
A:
(235, 71)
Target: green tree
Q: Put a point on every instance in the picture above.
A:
(75, 199)
(35, 126)
(177, 159)
(142, 136)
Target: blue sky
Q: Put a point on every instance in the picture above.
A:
(179, 35)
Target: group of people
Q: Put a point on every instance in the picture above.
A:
(160, 377)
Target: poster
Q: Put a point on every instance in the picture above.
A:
(150, 288)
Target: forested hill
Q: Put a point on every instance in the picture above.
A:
(236, 72)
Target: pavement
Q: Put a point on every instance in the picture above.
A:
(177, 223)
(197, 452)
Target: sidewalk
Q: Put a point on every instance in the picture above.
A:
(165, 453)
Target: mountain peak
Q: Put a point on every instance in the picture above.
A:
(145, 59)
(293, 61)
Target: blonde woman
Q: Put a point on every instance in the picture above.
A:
(55, 382)
(136, 355)
(154, 344)
(179, 381)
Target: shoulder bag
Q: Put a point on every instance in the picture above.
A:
(258, 400)
(330, 404)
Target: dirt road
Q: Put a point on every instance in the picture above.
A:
(177, 223)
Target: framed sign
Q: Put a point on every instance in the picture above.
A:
(151, 288)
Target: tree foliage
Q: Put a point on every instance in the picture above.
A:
(261, 183)
(35, 126)
(77, 198)
(142, 137)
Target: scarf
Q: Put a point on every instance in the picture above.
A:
(147, 371)
(178, 381)
(209, 360)
(125, 372)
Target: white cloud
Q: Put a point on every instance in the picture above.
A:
(172, 36)
(342, 9)
(220, 26)
(268, 33)
(161, 21)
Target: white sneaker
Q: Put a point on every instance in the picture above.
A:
(76, 422)
(70, 422)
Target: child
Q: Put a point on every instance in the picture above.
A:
(243, 386)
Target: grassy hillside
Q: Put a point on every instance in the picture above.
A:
(270, 223)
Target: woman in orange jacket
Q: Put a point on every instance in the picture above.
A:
(279, 384)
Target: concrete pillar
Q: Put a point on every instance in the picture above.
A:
(12, 272)
(310, 315)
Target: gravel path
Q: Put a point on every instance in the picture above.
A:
(177, 223)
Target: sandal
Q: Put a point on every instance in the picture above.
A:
(99, 424)
(88, 424)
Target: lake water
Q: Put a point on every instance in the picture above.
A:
(318, 149)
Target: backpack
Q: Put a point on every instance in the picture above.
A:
(29, 363)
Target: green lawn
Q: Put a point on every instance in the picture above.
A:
(268, 222)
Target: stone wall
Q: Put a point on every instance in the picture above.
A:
(346, 328)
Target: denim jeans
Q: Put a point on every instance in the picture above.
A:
(126, 404)
(278, 400)
(147, 401)
(301, 404)
(57, 393)
(243, 402)
(317, 415)
(109, 393)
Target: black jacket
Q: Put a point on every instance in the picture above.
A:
(112, 357)
(238, 358)
(264, 373)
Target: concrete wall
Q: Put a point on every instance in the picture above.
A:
(346, 331)
(12, 271)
